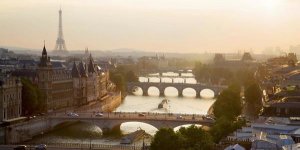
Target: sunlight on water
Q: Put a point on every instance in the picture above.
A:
(171, 92)
(129, 127)
(188, 104)
(187, 125)
(207, 93)
(153, 91)
(189, 92)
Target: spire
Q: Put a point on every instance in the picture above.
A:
(44, 53)
(75, 72)
(45, 60)
(82, 70)
(91, 68)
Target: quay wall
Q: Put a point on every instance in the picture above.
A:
(111, 103)
(24, 131)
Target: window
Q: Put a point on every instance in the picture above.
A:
(4, 113)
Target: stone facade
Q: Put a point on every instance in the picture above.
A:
(62, 88)
(55, 83)
(10, 98)
(89, 81)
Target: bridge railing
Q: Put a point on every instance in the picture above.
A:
(140, 116)
(91, 146)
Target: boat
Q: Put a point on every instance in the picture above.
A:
(163, 103)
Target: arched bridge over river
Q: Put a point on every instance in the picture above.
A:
(198, 87)
(114, 120)
(26, 130)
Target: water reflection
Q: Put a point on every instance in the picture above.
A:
(187, 125)
(80, 132)
(207, 94)
(189, 92)
(152, 91)
(129, 127)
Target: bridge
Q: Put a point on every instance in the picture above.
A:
(168, 76)
(24, 131)
(114, 120)
(161, 71)
(161, 86)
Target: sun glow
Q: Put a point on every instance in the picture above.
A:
(271, 5)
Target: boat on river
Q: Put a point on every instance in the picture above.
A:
(163, 103)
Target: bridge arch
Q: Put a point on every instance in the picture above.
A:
(83, 128)
(171, 91)
(132, 126)
(207, 93)
(153, 90)
(189, 92)
(185, 126)
(136, 90)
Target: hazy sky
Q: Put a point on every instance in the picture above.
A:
(152, 25)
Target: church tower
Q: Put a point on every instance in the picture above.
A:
(44, 73)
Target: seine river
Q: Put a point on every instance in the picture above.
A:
(188, 104)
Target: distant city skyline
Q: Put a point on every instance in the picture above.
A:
(157, 25)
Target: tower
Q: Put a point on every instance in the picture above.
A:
(60, 42)
(44, 73)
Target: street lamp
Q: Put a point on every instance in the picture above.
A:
(90, 141)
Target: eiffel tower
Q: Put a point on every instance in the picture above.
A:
(60, 42)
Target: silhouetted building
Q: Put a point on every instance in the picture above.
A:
(10, 98)
(246, 61)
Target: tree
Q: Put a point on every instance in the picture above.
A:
(228, 104)
(253, 99)
(165, 139)
(195, 138)
(131, 77)
(32, 98)
(118, 79)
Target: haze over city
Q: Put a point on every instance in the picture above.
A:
(156, 25)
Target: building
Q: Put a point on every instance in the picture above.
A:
(157, 62)
(65, 87)
(56, 83)
(10, 98)
(90, 81)
(284, 60)
(285, 107)
(246, 62)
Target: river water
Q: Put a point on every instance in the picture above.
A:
(188, 104)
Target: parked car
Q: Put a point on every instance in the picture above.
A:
(99, 115)
(72, 114)
(179, 117)
(20, 147)
(41, 147)
(141, 114)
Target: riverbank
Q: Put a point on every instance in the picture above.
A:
(113, 101)
(210, 111)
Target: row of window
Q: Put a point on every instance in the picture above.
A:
(11, 112)
(8, 97)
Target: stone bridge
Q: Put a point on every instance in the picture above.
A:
(198, 87)
(161, 71)
(113, 120)
(24, 131)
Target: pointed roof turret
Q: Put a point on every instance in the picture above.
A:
(82, 70)
(75, 72)
(45, 60)
(91, 68)
(44, 53)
